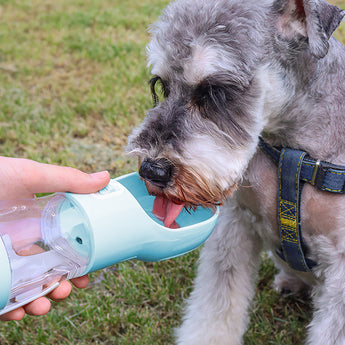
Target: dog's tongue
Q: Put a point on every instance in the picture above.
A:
(167, 211)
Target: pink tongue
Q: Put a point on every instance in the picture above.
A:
(167, 211)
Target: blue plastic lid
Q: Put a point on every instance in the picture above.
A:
(6, 276)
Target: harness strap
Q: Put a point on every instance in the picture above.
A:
(290, 188)
(294, 168)
(323, 175)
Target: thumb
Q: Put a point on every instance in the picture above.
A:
(46, 178)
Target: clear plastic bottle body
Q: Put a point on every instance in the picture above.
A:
(40, 238)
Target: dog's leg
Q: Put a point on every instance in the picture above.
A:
(217, 311)
(328, 324)
(286, 281)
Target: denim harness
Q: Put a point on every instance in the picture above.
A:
(294, 169)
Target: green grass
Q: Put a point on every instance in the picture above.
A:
(73, 79)
(73, 84)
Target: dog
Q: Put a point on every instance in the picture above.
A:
(232, 72)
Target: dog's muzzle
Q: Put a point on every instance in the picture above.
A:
(157, 175)
(159, 172)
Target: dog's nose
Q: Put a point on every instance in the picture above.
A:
(158, 172)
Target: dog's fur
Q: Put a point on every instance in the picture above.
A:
(232, 70)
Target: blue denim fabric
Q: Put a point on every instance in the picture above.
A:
(296, 167)
(329, 177)
(290, 187)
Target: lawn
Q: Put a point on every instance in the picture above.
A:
(73, 84)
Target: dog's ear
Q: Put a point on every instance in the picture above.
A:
(314, 19)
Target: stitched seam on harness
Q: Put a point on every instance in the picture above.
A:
(336, 172)
(280, 199)
(332, 190)
(297, 214)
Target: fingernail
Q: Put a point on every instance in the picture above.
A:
(100, 174)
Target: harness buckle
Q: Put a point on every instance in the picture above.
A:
(315, 172)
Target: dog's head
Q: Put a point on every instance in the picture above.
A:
(208, 57)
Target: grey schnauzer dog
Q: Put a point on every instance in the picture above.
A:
(232, 71)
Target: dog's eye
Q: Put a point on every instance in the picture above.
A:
(162, 90)
(207, 94)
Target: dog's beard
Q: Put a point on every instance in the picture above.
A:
(196, 190)
(189, 190)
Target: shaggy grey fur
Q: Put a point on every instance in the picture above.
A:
(233, 70)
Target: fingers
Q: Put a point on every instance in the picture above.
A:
(81, 282)
(61, 292)
(15, 315)
(46, 178)
(31, 177)
(65, 288)
(38, 307)
(42, 305)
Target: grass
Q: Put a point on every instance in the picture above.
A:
(73, 84)
(68, 69)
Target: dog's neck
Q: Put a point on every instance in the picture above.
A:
(308, 114)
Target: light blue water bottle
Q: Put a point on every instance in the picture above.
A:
(65, 235)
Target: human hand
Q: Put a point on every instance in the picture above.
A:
(21, 179)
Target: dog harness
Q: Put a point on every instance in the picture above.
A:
(296, 167)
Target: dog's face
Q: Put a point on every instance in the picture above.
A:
(195, 144)
(223, 66)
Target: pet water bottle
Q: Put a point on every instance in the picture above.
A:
(64, 235)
